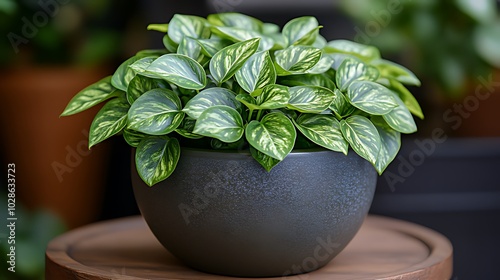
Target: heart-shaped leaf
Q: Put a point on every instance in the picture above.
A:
(124, 74)
(227, 61)
(235, 20)
(301, 30)
(323, 130)
(400, 118)
(265, 161)
(220, 122)
(371, 97)
(257, 72)
(110, 120)
(354, 70)
(240, 35)
(141, 84)
(190, 47)
(274, 135)
(391, 70)
(156, 112)
(180, 70)
(366, 53)
(91, 96)
(208, 98)
(296, 59)
(156, 158)
(188, 26)
(362, 136)
(310, 99)
(389, 145)
(408, 99)
(140, 66)
(210, 47)
(273, 97)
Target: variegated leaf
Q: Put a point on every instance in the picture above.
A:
(190, 47)
(240, 35)
(365, 52)
(156, 158)
(323, 130)
(156, 112)
(362, 136)
(274, 135)
(408, 99)
(210, 47)
(91, 96)
(301, 30)
(391, 70)
(264, 160)
(124, 74)
(180, 70)
(142, 64)
(320, 80)
(227, 61)
(354, 70)
(257, 72)
(310, 99)
(110, 120)
(273, 97)
(247, 100)
(400, 119)
(188, 26)
(389, 145)
(141, 84)
(235, 20)
(220, 122)
(132, 137)
(371, 97)
(340, 106)
(186, 129)
(324, 64)
(208, 98)
(296, 59)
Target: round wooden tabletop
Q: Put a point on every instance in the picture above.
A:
(384, 248)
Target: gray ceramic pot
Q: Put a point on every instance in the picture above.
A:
(223, 213)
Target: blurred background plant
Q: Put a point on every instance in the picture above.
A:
(448, 42)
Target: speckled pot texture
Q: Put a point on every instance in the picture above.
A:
(222, 213)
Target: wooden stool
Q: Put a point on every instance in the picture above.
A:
(384, 248)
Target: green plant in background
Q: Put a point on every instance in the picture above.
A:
(56, 32)
(231, 81)
(449, 42)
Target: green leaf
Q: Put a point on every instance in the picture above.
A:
(389, 145)
(124, 74)
(248, 101)
(236, 20)
(151, 53)
(208, 98)
(341, 106)
(362, 136)
(91, 96)
(186, 129)
(210, 47)
(190, 47)
(180, 70)
(354, 70)
(264, 160)
(323, 130)
(132, 137)
(220, 122)
(301, 30)
(188, 26)
(296, 59)
(110, 120)
(170, 45)
(371, 97)
(319, 80)
(161, 27)
(408, 99)
(257, 72)
(140, 66)
(240, 35)
(391, 70)
(156, 112)
(270, 28)
(156, 158)
(310, 99)
(324, 64)
(400, 119)
(366, 53)
(227, 61)
(274, 135)
(273, 97)
(141, 84)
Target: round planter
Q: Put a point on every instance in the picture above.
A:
(222, 213)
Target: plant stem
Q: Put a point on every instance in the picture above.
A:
(259, 114)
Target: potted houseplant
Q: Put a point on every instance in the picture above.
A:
(243, 131)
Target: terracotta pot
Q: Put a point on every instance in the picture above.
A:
(54, 168)
(223, 213)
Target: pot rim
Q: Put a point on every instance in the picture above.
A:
(200, 152)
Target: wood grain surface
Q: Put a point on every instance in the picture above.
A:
(384, 248)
